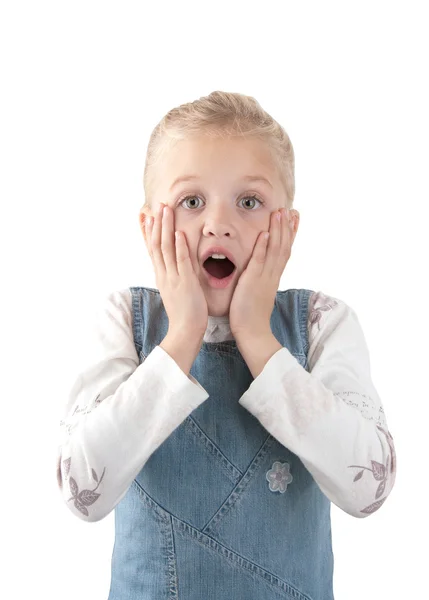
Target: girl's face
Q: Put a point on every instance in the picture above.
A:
(222, 193)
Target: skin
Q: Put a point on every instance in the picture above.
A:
(221, 213)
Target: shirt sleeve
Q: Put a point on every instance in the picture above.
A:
(118, 413)
(331, 416)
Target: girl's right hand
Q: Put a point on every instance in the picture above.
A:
(179, 286)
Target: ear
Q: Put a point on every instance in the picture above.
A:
(294, 216)
(143, 215)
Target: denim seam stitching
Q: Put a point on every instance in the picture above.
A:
(206, 541)
(237, 559)
(232, 471)
(161, 512)
(240, 487)
(171, 561)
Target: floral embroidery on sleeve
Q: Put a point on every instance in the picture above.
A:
(83, 498)
(380, 473)
(318, 304)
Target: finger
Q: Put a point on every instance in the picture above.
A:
(157, 256)
(290, 221)
(288, 230)
(168, 242)
(286, 243)
(184, 265)
(148, 228)
(273, 249)
(257, 261)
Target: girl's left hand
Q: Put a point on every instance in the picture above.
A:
(253, 299)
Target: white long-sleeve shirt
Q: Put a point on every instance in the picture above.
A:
(119, 411)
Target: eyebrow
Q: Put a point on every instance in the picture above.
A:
(246, 178)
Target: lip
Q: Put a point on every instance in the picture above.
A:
(213, 281)
(218, 250)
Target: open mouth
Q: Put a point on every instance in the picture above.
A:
(219, 267)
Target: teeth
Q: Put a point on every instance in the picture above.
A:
(218, 256)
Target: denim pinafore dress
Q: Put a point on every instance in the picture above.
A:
(222, 510)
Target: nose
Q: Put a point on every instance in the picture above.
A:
(218, 222)
(217, 230)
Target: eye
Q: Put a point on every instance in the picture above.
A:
(188, 198)
(251, 197)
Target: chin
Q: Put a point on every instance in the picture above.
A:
(219, 301)
(218, 309)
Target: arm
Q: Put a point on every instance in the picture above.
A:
(119, 412)
(331, 417)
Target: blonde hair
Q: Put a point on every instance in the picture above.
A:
(221, 115)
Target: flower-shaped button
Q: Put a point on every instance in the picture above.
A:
(279, 477)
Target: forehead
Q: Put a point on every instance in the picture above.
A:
(234, 157)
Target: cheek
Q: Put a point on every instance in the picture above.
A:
(252, 234)
(181, 223)
(260, 224)
(190, 227)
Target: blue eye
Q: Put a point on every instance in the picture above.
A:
(252, 197)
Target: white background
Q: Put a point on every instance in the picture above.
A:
(83, 84)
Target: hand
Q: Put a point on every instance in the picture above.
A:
(253, 299)
(181, 292)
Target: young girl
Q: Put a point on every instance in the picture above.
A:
(220, 417)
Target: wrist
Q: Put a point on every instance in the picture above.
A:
(186, 337)
(183, 349)
(250, 335)
(257, 349)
